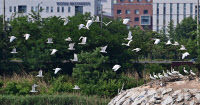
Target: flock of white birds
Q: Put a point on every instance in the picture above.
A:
(103, 49)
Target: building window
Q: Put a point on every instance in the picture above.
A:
(128, 26)
(69, 9)
(8, 19)
(130, 0)
(115, 1)
(58, 9)
(51, 9)
(119, 18)
(47, 9)
(164, 8)
(191, 9)
(145, 20)
(157, 8)
(157, 19)
(164, 28)
(15, 9)
(119, 11)
(139, 0)
(171, 17)
(136, 19)
(128, 18)
(22, 9)
(127, 11)
(78, 9)
(121, 0)
(171, 8)
(32, 8)
(157, 28)
(40, 10)
(177, 19)
(145, 11)
(136, 26)
(148, 0)
(136, 11)
(177, 13)
(36, 9)
(184, 10)
(63, 9)
(10, 9)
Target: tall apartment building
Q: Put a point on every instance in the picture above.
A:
(138, 11)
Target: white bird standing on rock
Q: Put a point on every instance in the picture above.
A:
(185, 55)
(182, 47)
(156, 41)
(53, 51)
(169, 73)
(83, 40)
(194, 74)
(129, 36)
(155, 76)
(165, 74)
(56, 70)
(12, 38)
(160, 76)
(152, 77)
(185, 71)
(125, 21)
(116, 67)
(174, 72)
(103, 49)
(136, 49)
(179, 74)
(128, 44)
(27, 36)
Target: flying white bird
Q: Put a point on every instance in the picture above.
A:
(103, 49)
(68, 39)
(116, 67)
(75, 58)
(155, 76)
(27, 36)
(185, 71)
(76, 87)
(12, 38)
(81, 26)
(49, 40)
(175, 43)
(128, 44)
(136, 49)
(152, 77)
(33, 88)
(14, 51)
(56, 70)
(83, 40)
(168, 42)
(71, 46)
(125, 21)
(156, 41)
(185, 55)
(107, 23)
(89, 22)
(40, 74)
(192, 73)
(66, 20)
(182, 47)
(53, 51)
(129, 36)
(96, 19)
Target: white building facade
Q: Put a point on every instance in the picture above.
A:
(166, 10)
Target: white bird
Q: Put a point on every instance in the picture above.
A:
(152, 77)
(49, 40)
(125, 21)
(76, 87)
(128, 44)
(81, 26)
(160, 76)
(175, 43)
(40, 74)
(179, 74)
(156, 41)
(53, 51)
(185, 55)
(89, 22)
(174, 72)
(96, 19)
(116, 67)
(103, 49)
(129, 36)
(56, 70)
(165, 74)
(107, 23)
(155, 76)
(83, 40)
(182, 47)
(168, 72)
(71, 46)
(68, 39)
(14, 51)
(185, 71)
(12, 38)
(33, 88)
(27, 36)
(168, 42)
(75, 58)
(136, 49)
(192, 73)
(66, 21)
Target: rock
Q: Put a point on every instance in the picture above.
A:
(187, 96)
(167, 101)
(180, 98)
(175, 94)
(167, 91)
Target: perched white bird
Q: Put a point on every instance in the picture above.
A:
(168, 42)
(156, 41)
(165, 74)
(83, 40)
(40, 74)
(125, 21)
(107, 23)
(14, 51)
(168, 72)
(50, 40)
(174, 72)
(182, 47)
(129, 36)
(185, 55)
(155, 76)
(81, 26)
(56, 70)
(33, 88)
(75, 58)
(53, 51)
(103, 49)
(68, 39)
(192, 73)
(179, 74)
(12, 38)
(175, 43)
(71, 46)
(152, 77)
(160, 76)
(76, 87)
(128, 44)
(89, 22)
(185, 71)
(27, 36)
(116, 67)
(136, 49)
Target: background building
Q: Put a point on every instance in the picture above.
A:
(138, 11)
(108, 7)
